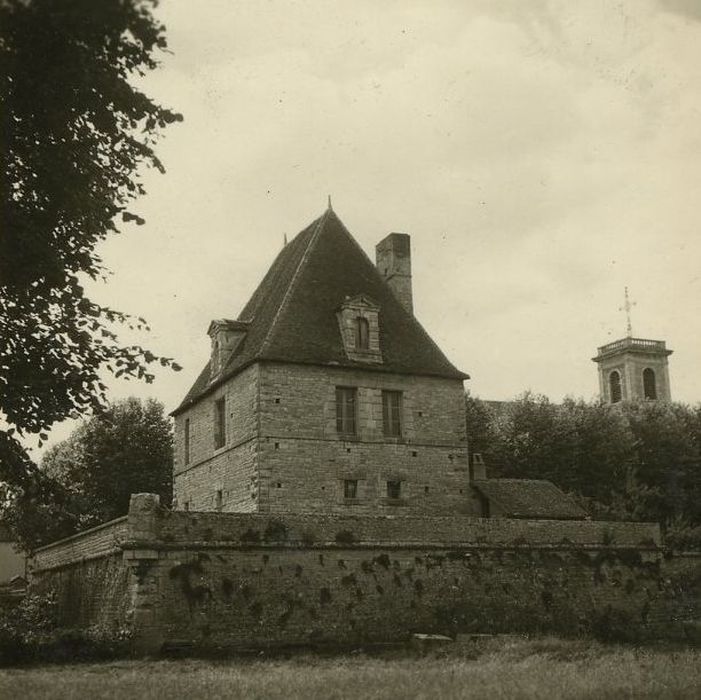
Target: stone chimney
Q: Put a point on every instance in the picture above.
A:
(393, 260)
(225, 335)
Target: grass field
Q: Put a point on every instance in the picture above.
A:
(497, 668)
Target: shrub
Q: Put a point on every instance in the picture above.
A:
(308, 539)
(276, 531)
(27, 627)
(250, 536)
(29, 632)
(345, 537)
(680, 535)
(613, 625)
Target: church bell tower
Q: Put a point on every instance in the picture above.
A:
(633, 368)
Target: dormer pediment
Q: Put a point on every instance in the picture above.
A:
(359, 324)
(361, 300)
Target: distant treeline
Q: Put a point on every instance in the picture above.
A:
(629, 461)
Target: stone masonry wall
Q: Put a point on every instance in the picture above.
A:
(231, 469)
(300, 529)
(283, 452)
(304, 461)
(250, 580)
(88, 575)
(94, 543)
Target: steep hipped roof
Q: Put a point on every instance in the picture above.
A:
(529, 498)
(291, 317)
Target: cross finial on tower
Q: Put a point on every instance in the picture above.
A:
(627, 306)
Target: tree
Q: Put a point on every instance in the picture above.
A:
(127, 448)
(603, 449)
(633, 460)
(667, 456)
(478, 421)
(74, 134)
(531, 440)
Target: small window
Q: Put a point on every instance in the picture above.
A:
(615, 386)
(649, 384)
(186, 505)
(218, 499)
(345, 410)
(362, 333)
(391, 413)
(394, 489)
(350, 488)
(219, 423)
(187, 441)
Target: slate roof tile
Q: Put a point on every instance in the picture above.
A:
(529, 498)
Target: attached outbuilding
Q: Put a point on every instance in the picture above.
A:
(535, 499)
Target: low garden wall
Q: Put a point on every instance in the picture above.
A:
(251, 580)
(88, 575)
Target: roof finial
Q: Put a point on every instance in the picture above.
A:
(627, 306)
(330, 208)
(284, 240)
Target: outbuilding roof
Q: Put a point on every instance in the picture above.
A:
(291, 316)
(529, 498)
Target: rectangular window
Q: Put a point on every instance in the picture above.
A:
(219, 423)
(350, 488)
(362, 334)
(186, 505)
(394, 489)
(345, 410)
(187, 441)
(218, 499)
(391, 413)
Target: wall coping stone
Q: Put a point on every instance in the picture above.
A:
(136, 548)
(79, 535)
(150, 528)
(67, 561)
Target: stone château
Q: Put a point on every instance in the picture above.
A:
(327, 395)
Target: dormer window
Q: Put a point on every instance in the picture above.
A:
(226, 338)
(362, 333)
(359, 323)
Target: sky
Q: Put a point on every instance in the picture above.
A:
(542, 155)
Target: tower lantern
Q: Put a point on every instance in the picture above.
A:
(633, 368)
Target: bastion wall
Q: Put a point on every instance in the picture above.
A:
(249, 580)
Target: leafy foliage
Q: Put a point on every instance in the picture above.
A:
(681, 534)
(127, 448)
(75, 135)
(634, 460)
(26, 626)
(479, 424)
(30, 632)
